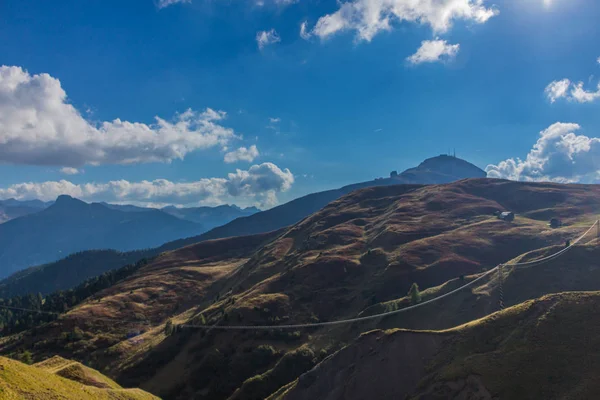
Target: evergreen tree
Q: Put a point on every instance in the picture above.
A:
(169, 328)
(26, 357)
(414, 294)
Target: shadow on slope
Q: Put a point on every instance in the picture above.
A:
(539, 349)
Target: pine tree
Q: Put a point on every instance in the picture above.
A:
(169, 328)
(414, 294)
(26, 357)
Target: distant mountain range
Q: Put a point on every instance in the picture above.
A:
(68, 225)
(11, 208)
(210, 217)
(53, 276)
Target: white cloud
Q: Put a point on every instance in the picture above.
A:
(598, 60)
(242, 154)
(70, 171)
(559, 155)
(260, 183)
(580, 95)
(369, 17)
(560, 89)
(167, 3)
(433, 51)
(38, 126)
(264, 38)
(304, 33)
(275, 120)
(557, 89)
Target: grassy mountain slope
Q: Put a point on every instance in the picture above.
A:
(540, 349)
(21, 381)
(360, 253)
(76, 372)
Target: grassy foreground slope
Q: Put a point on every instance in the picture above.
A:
(358, 255)
(20, 381)
(540, 349)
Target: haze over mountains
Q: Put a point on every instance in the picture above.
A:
(141, 228)
(70, 225)
(11, 208)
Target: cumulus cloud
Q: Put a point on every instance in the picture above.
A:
(265, 38)
(559, 155)
(369, 17)
(433, 51)
(570, 91)
(260, 183)
(242, 154)
(274, 120)
(39, 127)
(166, 3)
(70, 171)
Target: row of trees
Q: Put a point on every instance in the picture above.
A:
(20, 313)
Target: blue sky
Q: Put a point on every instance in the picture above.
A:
(342, 104)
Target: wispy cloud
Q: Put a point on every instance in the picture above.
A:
(166, 3)
(242, 154)
(434, 51)
(70, 171)
(265, 38)
(275, 120)
(304, 33)
(557, 89)
(571, 91)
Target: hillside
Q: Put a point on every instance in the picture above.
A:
(439, 169)
(70, 226)
(358, 255)
(67, 272)
(60, 379)
(540, 349)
